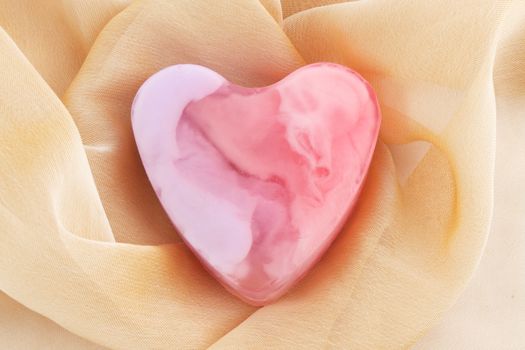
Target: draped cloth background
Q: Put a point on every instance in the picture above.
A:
(88, 260)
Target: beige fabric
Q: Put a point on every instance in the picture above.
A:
(489, 315)
(85, 244)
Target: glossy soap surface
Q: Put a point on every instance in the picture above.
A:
(258, 181)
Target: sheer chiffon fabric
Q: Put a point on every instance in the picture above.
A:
(89, 260)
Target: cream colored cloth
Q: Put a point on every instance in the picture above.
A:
(88, 259)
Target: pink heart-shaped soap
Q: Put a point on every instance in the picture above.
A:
(258, 181)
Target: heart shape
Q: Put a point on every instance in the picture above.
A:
(258, 181)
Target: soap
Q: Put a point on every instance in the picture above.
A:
(258, 181)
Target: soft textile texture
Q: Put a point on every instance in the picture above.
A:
(85, 243)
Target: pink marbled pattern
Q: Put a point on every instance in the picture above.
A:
(258, 181)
